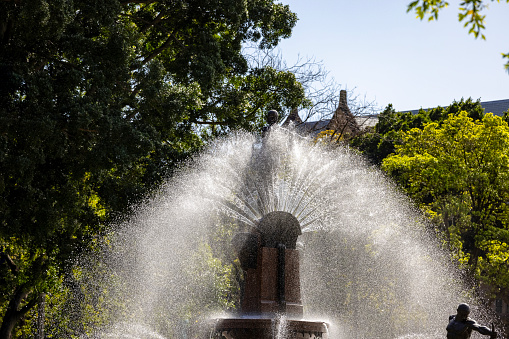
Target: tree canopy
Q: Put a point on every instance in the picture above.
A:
(458, 171)
(100, 100)
(380, 142)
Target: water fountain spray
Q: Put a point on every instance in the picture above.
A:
(271, 295)
(230, 223)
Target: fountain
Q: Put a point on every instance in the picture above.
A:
(278, 238)
(271, 295)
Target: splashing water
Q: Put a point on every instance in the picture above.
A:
(130, 331)
(368, 265)
(280, 327)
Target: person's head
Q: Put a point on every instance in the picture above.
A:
(272, 117)
(463, 312)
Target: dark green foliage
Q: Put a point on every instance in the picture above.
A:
(100, 100)
(505, 117)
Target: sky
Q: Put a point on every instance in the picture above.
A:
(387, 55)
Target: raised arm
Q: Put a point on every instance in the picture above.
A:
(483, 329)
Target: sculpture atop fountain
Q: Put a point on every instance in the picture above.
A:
(272, 118)
(270, 260)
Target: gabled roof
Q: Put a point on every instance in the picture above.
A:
(312, 127)
(293, 118)
(342, 121)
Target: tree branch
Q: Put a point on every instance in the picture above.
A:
(28, 306)
(222, 123)
(9, 261)
(158, 50)
(156, 20)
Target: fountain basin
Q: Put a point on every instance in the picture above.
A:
(271, 304)
(270, 328)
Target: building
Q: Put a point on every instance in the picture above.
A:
(497, 107)
(345, 123)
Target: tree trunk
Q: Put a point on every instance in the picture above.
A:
(13, 314)
(40, 317)
(8, 324)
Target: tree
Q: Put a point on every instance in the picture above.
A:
(376, 145)
(470, 12)
(99, 101)
(458, 172)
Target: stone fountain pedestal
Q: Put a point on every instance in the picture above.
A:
(271, 305)
(234, 328)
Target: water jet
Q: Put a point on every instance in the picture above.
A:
(367, 263)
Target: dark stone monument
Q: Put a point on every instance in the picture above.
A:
(270, 261)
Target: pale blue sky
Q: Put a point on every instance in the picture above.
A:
(389, 56)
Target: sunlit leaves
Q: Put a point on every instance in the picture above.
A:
(469, 11)
(507, 64)
(459, 171)
(378, 144)
(427, 7)
(328, 137)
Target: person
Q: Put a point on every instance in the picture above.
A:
(461, 326)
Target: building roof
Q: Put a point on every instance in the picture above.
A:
(497, 107)
(342, 121)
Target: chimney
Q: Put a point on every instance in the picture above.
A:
(343, 121)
